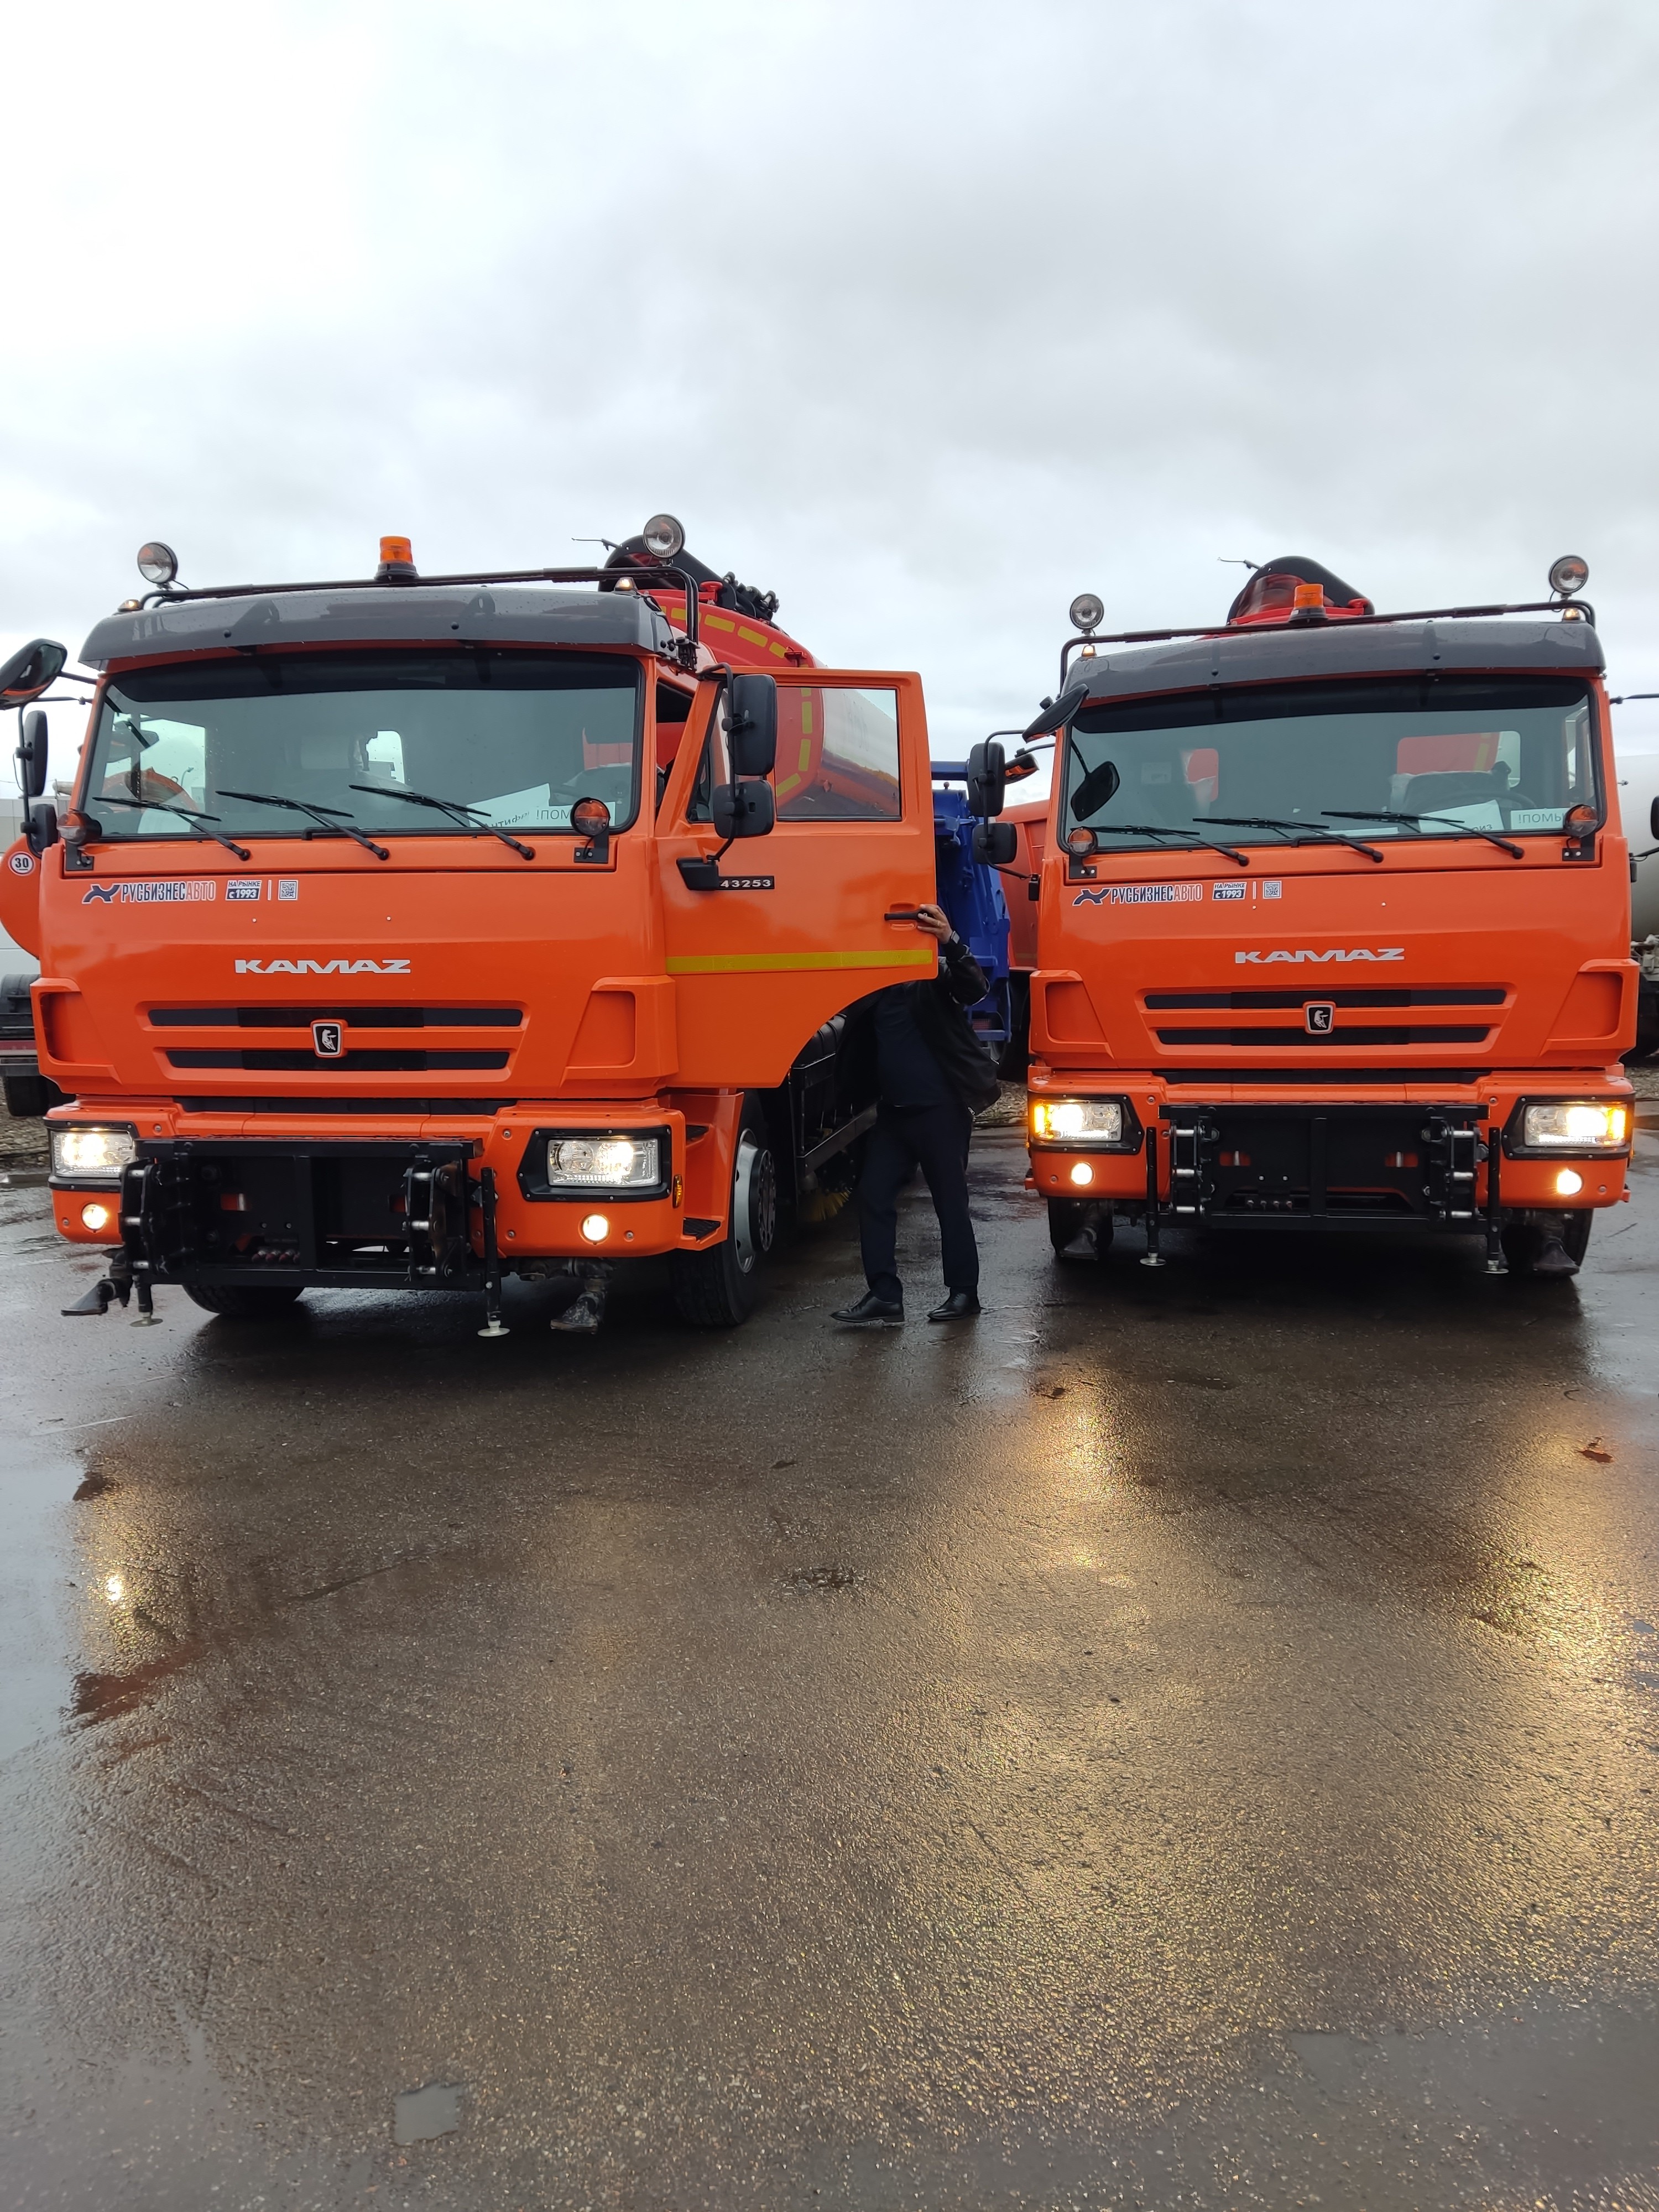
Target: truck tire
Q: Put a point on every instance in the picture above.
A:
(1073, 1234)
(1523, 1240)
(29, 1097)
(721, 1287)
(245, 1301)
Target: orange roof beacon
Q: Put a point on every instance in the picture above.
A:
(1333, 924)
(393, 936)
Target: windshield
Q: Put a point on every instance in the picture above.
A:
(1424, 757)
(511, 739)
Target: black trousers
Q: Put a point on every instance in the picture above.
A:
(935, 1139)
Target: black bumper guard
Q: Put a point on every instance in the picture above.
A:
(1320, 1166)
(310, 1217)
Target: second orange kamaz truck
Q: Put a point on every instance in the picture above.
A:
(413, 931)
(1333, 926)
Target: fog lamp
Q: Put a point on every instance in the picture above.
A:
(1569, 574)
(1087, 612)
(596, 1227)
(95, 1217)
(1568, 1183)
(87, 1150)
(664, 536)
(1083, 1173)
(1077, 1122)
(157, 563)
(1576, 1125)
(602, 1162)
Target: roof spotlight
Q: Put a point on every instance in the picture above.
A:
(157, 563)
(664, 536)
(1569, 574)
(1087, 611)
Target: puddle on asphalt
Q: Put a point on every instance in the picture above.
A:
(419, 2114)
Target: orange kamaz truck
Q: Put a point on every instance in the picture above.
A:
(1333, 924)
(415, 932)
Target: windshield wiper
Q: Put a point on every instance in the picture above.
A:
(1301, 833)
(1464, 828)
(453, 807)
(330, 817)
(1190, 839)
(185, 813)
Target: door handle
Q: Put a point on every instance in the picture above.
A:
(901, 914)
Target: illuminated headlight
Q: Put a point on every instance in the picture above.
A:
(91, 1151)
(1080, 1122)
(602, 1163)
(1575, 1127)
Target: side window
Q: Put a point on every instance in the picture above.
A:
(838, 755)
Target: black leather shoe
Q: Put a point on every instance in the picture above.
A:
(959, 1305)
(872, 1312)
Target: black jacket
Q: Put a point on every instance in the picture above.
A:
(939, 1004)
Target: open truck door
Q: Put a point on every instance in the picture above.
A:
(794, 922)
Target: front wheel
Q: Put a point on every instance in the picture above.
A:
(1532, 1244)
(721, 1287)
(244, 1301)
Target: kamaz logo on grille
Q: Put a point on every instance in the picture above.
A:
(1336, 954)
(322, 967)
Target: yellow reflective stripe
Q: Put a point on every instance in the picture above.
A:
(783, 963)
(790, 783)
(750, 636)
(716, 622)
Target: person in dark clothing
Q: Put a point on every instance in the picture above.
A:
(932, 1075)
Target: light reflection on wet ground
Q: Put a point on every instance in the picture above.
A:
(1191, 1739)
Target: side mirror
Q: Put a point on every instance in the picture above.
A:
(42, 828)
(33, 669)
(995, 843)
(752, 733)
(1054, 716)
(988, 780)
(1653, 819)
(32, 753)
(742, 809)
(1095, 788)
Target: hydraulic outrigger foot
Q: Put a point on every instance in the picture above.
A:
(98, 1299)
(493, 1325)
(1151, 1257)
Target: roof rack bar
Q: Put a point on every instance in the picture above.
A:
(1581, 608)
(663, 575)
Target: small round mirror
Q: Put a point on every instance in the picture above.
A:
(664, 536)
(1569, 574)
(1087, 611)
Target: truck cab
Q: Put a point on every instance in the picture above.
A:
(1333, 926)
(392, 938)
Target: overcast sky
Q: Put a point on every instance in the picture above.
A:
(927, 317)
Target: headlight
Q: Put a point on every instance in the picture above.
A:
(1575, 1126)
(1080, 1122)
(90, 1152)
(602, 1162)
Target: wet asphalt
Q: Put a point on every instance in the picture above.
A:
(1190, 1739)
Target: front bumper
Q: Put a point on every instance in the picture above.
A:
(1430, 1158)
(354, 1210)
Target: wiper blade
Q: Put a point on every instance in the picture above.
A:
(1192, 842)
(330, 817)
(453, 807)
(185, 813)
(1300, 833)
(1464, 828)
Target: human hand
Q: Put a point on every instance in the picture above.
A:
(936, 923)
